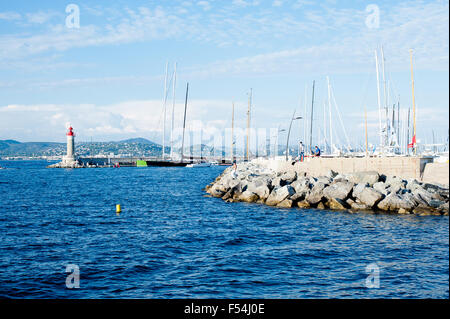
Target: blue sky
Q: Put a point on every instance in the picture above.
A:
(107, 77)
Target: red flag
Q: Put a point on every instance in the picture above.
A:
(413, 142)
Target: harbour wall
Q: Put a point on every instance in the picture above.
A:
(421, 168)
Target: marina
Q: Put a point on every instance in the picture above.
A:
(225, 154)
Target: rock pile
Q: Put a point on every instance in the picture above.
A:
(252, 182)
(71, 164)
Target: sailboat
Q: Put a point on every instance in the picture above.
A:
(172, 162)
(204, 164)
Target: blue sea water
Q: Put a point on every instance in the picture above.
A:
(170, 241)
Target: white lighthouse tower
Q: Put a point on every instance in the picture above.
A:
(70, 156)
(69, 161)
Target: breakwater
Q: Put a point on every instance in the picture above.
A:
(268, 182)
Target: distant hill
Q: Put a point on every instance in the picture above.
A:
(138, 140)
(15, 148)
(130, 147)
(7, 143)
(135, 146)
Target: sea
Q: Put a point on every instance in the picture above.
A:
(60, 237)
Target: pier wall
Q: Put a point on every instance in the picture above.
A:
(420, 168)
(436, 173)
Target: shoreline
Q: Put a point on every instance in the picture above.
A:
(260, 181)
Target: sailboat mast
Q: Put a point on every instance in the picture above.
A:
(386, 136)
(434, 146)
(173, 108)
(312, 112)
(414, 103)
(184, 121)
(365, 120)
(407, 135)
(329, 110)
(300, 126)
(324, 126)
(232, 134)
(201, 144)
(248, 122)
(306, 113)
(398, 121)
(379, 99)
(164, 117)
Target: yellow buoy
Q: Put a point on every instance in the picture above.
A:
(118, 209)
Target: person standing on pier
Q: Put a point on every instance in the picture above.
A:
(301, 151)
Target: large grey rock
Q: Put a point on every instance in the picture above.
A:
(394, 179)
(325, 180)
(216, 191)
(288, 177)
(413, 184)
(422, 196)
(227, 195)
(381, 187)
(248, 197)
(277, 182)
(315, 196)
(302, 188)
(225, 183)
(336, 204)
(303, 204)
(339, 178)
(444, 208)
(260, 187)
(396, 186)
(317, 186)
(432, 187)
(369, 177)
(331, 174)
(279, 194)
(423, 211)
(287, 203)
(234, 184)
(394, 202)
(358, 188)
(357, 205)
(369, 196)
(301, 184)
(340, 190)
(321, 206)
(436, 203)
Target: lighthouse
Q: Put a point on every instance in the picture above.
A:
(70, 156)
(69, 161)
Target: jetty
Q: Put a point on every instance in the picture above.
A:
(410, 185)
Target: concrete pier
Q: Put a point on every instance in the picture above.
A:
(420, 168)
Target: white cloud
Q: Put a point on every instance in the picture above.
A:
(301, 3)
(142, 118)
(245, 3)
(277, 3)
(240, 3)
(41, 17)
(10, 16)
(342, 30)
(353, 50)
(204, 4)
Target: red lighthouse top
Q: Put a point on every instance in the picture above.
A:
(70, 133)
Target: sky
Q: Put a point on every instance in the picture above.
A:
(100, 66)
